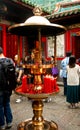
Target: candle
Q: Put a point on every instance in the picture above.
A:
(52, 84)
(24, 84)
(46, 84)
(56, 88)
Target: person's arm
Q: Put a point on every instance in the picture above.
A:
(19, 76)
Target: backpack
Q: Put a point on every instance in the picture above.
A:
(7, 74)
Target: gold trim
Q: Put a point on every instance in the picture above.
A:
(74, 26)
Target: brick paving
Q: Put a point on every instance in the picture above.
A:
(56, 110)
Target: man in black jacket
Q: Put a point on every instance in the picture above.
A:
(5, 109)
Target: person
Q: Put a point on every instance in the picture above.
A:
(18, 70)
(5, 109)
(27, 70)
(63, 65)
(52, 60)
(78, 61)
(32, 58)
(19, 73)
(55, 70)
(73, 72)
(31, 61)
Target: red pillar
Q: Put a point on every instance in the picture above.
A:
(4, 38)
(21, 47)
(67, 41)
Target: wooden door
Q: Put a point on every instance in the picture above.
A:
(77, 47)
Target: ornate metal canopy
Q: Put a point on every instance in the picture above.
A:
(35, 24)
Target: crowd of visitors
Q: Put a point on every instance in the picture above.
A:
(70, 74)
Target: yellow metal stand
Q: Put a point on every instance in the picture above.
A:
(37, 122)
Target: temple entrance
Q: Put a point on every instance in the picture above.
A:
(76, 46)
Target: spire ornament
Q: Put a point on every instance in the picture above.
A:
(37, 11)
